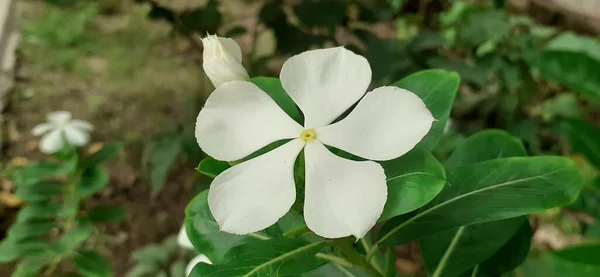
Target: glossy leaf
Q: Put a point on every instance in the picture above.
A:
(105, 153)
(578, 71)
(272, 86)
(41, 191)
(203, 230)
(27, 230)
(413, 180)
(549, 265)
(77, 235)
(511, 255)
(93, 179)
(211, 167)
(37, 211)
(437, 88)
(92, 264)
(107, 214)
(583, 137)
(31, 266)
(586, 254)
(497, 188)
(486, 145)
(275, 257)
(454, 252)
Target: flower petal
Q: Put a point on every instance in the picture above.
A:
(76, 136)
(386, 123)
(232, 47)
(253, 195)
(82, 125)
(198, 259)
(43, 128)
(59, 117)
(238, 119)
(324, 83)
(52, 142)
(342, 197)
(183, 240)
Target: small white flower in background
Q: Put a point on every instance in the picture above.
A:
(183, 240)
(222, 60)
(198, 259)
(59, 130)
(342, 197)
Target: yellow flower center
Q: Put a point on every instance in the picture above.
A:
(308, 135)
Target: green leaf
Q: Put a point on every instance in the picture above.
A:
(584, 139)
(107, 214)
(454, 252)
(177, 268)
(499, 189)
(413, 180)
(202, 20)
(572, 42)
(11, 249)
(577, 71)
(37, 211)
(272, 86)
(481, 24)
(152, 255)
(26, 230)
(107, 152)
(211, 167)
(328, 14)
(160, 156)
(40, 191)
(275, 257)
(145, 270)
(549, 265)
(30, 267)
(74, 237)
(92, 264)
(437, 88)
(93, 179)
(511, 255)
(36, 172)
(203, 230)
(585, 253)
(486, 145)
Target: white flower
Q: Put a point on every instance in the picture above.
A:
(222, 60)
(61, 129)
(198, 259)
(183, 240)
(342, 197)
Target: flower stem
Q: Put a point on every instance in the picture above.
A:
(345, 246)
(366, 245)
(296, 232)
(334, 259)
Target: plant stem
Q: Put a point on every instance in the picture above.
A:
(366, 245)
(441, 266)
(296, 232)
(334, 259)
(258, 236)
(345, 246)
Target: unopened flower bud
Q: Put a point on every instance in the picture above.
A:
(223, 60)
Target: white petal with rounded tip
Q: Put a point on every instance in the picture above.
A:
(76, 136)
(198, 259)
(386, 123)
(238, 119)
(52, 142)
(82, 125)
(60, 117)
(325, 83)
(342, 197)
(183, 240)
(232, 47)
(43, 128)
(253, 195)
(222, 60)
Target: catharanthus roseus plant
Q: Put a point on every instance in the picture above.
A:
(313, 159)
(55, 226)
